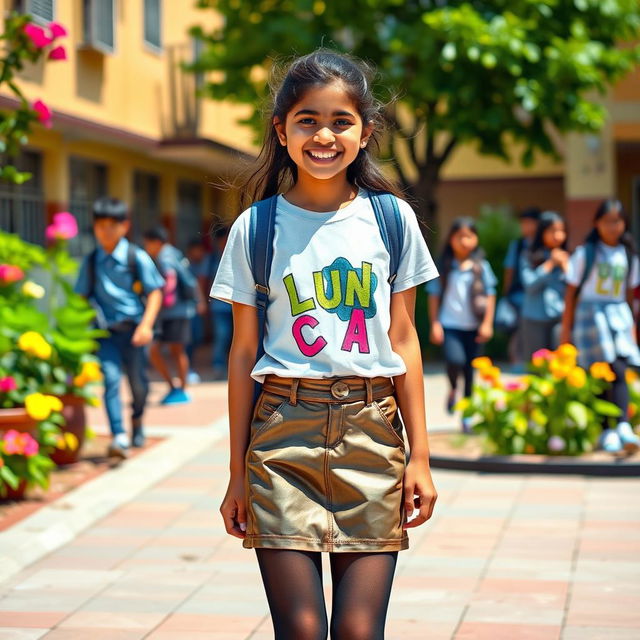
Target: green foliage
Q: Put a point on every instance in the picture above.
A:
(482, 72)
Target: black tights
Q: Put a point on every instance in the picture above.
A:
(618, 394)
(361, 590)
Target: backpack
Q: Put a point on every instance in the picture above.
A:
(261, 232)
(590, 261)
(186, 282)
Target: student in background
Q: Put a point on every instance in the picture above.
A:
(544, 268)
(461, 305)
(221, 313)
(198, 264)
(598, 317)
(513, 288)
(113, 277)
(178, 307)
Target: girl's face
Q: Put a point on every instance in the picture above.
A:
(554, 235)
(611, 227)
(323, 132)
(463, 242)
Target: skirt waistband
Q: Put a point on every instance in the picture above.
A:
(330, 390)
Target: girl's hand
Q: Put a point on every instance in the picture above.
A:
(437, 333)
(233, 508)
(419, 493)
(485, 332)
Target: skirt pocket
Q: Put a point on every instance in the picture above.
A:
(389, 417)
(268, 409)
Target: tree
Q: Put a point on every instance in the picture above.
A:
(488, 73)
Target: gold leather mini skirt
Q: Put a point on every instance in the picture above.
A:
(325, 466)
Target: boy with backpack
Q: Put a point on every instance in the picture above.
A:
(114, 277)
(179, 303)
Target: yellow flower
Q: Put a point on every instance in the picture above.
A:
(559, 370)
(577, 377)
(462, 404)
(90, 372)
(546, 388)
(567, 353)
(40, 406)
(631, 376)
(602, 371)
(490, 374)
(481, 363)
(34, 344)
(32, 290)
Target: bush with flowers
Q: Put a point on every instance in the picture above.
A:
(47, 341)
(554, 410)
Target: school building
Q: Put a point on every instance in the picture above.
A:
(127, 123)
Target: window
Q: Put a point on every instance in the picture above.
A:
(88, 182)
(99, 24)
(40, 10)
(146, 202)
(153, 23)
(22, 207)
(189, 213)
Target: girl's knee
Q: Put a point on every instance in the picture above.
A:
(354, 626)
(305, 624)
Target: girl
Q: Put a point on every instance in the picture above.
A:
(601, 277)
(457, 318)
(321, 465)
(543, 270)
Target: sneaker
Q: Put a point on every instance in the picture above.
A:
(467, 425)
(176, 396)
(137, 439)
(193, 377)
(630, 441)
(119, 447)
(451, 402)
(610, 441)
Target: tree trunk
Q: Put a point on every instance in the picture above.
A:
(425, 192)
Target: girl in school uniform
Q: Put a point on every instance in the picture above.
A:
(319, 465)
(462, 305)
(544, 268)
(598, 318)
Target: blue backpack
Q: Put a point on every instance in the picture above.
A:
(261, 232)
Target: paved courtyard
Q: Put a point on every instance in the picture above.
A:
(140, 552)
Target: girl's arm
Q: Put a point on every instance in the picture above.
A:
(485, 330)
(242, 358)
(568, 316)
(410, 396)
(508, 279)
(437, 333)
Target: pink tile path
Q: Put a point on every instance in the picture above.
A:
(504, 558)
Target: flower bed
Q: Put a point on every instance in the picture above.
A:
(557, 409)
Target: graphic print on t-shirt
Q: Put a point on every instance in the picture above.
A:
(339, 288)
(609, 278)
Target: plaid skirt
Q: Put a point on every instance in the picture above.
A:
(602, 332)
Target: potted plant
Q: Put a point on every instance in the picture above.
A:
(555, 410)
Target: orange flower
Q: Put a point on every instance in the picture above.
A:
(559, 370)
(602, 371)
(567, 353)
(631, 376)
(481, 363)
(490, 374)
(577, 377)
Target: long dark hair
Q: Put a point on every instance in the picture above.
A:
(447, 256)
(538, 250)
(275, 168)
(626, 239)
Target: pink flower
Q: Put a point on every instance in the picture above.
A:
(43, 112)
(37, 35)
(57, 30)
(63, 227)
(10, 273)
(30, 445)
(556, 443)
(17, 443)
(514, 385)
(8, 384)
(58, 53)
(545, 354)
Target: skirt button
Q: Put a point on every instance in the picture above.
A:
(339, 390)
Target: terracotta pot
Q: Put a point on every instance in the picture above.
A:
(75, 416)
(15, 494)
(17, 418)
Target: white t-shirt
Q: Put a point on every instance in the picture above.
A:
(607, 281)
(329, 301)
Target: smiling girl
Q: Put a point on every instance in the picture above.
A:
(319, 464)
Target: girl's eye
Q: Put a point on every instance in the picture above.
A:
(306, 121)
(343, 123)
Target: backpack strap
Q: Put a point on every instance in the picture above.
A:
(385, 207)
(92, 258)
(515, 281)
(261, 231)
(589, 262)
